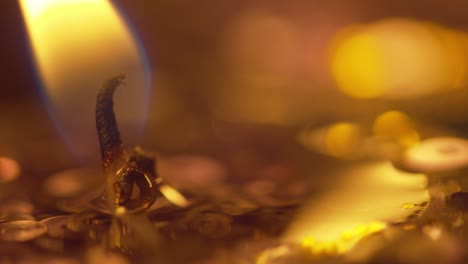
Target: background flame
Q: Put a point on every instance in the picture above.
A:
(370, 196)
(77, 44)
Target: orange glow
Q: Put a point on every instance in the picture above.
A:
(369, 197)
(396, 127)
(341, 140)
(77, 44)
(398, 58)
(358, 66)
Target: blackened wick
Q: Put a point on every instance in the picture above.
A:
(123, 170)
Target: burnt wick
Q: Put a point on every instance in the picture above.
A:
(121, 169)
(108, 132)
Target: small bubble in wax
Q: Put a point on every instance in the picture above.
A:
(23, 230)
(9, 169)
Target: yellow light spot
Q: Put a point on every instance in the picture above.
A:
(120, 211)
(173, 195)
(433, 232)
(407, 206)
(340, 140)
(395, 126)
(357, 65)
(345, 242)
(398, 58)
(409, 227)
(271, 254)
(367, 198)
(343, 140)
(150, 184)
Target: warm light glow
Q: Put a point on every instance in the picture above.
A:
(269, 255)
(396, 127)
(345, 242)
(77, 44)
(368, 197)
(398, 58)
(9, 169)
(341, 140)
(358, 66)
(437, 154)
(173, 195)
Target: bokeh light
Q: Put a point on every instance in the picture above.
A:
(340, 140)
(396, 127)
(398, 59)
(368, 197)
(437, 154)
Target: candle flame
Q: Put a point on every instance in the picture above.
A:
(398, 59)
(76, 45)
(370, 197)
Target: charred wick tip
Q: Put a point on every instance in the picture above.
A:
(115, 80)
(106, 124)
(123, 170)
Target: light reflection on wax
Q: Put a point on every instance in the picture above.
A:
(173, 195)
(369, 197)
(77, 44)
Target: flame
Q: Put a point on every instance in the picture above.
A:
(398, 59)
(370, 196)
(76, 45)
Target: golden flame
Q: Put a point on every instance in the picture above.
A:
(370, 196)
(398, 58)
(77, 44)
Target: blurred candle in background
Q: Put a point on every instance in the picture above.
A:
(398, 59)
(77, 44)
